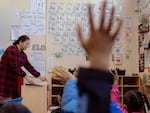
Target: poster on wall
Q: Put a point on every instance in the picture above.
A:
(62, 22)
(38, 6)
(32, 22)
(31, 27)
(37, 59)
(117, 59)
(16, 31)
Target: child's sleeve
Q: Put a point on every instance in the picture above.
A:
(115, 93)
(94, 90)
(70, 96)
(115, 100)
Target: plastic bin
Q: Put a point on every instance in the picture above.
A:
(15, 100)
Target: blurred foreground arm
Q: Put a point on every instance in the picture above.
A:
(95, 82)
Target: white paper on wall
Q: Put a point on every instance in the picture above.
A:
(62, 22)
(16, 31)
(118, 59)
(37, 59)
(50, 64)
(38, 6)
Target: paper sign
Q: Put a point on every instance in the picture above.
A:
(118, 60)
(37, 59)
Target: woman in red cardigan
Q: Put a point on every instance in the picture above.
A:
(13, 59)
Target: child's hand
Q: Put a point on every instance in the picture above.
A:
(100, 41)
(116, 78)
(63, 75)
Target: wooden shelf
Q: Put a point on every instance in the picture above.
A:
(56, 89)
(130, 85)
(54, 96)
(121, 96)
(57, 85)
(127, 83)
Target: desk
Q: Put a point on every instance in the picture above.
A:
(35, 98)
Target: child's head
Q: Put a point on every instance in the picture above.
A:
(135, 101)
(14, 108)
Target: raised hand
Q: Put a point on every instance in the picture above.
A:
(116, 78)
(63, 75)
(100, 41)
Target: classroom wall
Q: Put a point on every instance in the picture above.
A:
(127, 46)
(129, 36)
(7, 13)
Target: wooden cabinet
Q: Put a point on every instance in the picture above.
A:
(128, 83)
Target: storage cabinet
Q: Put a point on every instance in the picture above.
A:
(127, 83)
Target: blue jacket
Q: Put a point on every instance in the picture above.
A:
(70, 96)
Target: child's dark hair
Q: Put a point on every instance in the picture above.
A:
(135, 101)
(14, 108)
(22, 38)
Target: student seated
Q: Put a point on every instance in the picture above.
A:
(134, 100)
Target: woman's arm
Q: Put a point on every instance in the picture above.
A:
(31, 69)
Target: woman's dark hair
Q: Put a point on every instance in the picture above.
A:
(14, 108)
(22, 38)
(135, 101)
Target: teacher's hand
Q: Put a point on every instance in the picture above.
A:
(42, 78)
(29, 79)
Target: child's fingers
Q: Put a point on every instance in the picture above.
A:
(102, 19)
(91, 25)
(111, 19)
(80, 37)
(120, 21)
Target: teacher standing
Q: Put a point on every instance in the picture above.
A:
(13, 59)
